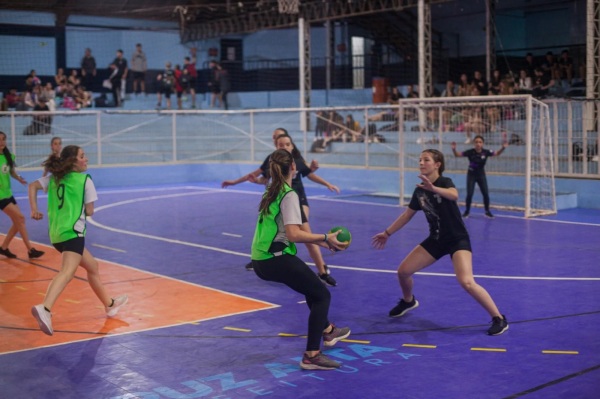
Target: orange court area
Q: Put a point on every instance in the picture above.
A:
(155, 301)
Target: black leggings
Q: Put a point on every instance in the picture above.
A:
(293, 272)
(479, 178)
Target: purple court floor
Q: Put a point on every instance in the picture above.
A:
(543, 273)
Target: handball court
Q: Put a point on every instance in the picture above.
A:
(199, 325)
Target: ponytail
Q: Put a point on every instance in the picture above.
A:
(280, 165)
(60, 165)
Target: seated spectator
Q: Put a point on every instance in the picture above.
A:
(394, 96)
(74, 78)
(41, 124)
(353, 129)
(494, 85)
(480, 83)
(473, 123)
(320, 125)
(524, 85)
(27, 101)
(450, 90)
(11, 99)
(542, 84)
(83, 98)
(50, 95)
(565, 65)
(412, 92)
(550, 66)
(35, 80)
(60, 78)
(529, 64)
(464, 86)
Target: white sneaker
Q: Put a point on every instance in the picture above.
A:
(118, 302)
(44, 318)
(468, 141)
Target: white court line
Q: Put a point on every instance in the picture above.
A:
(110, 248)
(246, 255)
(232, 235)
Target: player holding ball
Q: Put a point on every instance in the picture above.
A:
(279, 227)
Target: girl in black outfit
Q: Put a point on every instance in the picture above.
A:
(436, 196)
(281, 224)
(478, 156)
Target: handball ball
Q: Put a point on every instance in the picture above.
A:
(344, 235)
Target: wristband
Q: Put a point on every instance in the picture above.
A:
(387, 232)
(325, 237)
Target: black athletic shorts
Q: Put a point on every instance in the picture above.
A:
(438, 249)
(76, 245)
(5, 201)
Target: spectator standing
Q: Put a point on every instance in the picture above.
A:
(88, 70)
(139, 66)
(213, 84)
(190, 65)
(166, 85)
(120, 64)
(224, 85)
(178, 86)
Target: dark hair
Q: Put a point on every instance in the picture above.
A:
(437, 156)
(60, 165)
(55, 138)
(295, 152)
(479, 137)
(280, 163)
(9, 160)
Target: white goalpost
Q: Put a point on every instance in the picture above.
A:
(522, 178)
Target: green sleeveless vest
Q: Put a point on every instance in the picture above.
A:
(66, 207)
(266, 230)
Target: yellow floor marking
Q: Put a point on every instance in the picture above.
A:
(72, 301)
(19, 287)
(561, 352)
(355, 341)
(236, 329)
(287, 335)
(489, 349)
(41, 293)
(420, 346)
(189, 322)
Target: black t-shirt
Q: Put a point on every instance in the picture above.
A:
(303, 171)
(443, 215)
(477, 160)
(121, 64)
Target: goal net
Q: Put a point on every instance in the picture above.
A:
(520, 178)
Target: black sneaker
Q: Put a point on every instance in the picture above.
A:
(326, 269)
(465, 215)
(499, 325)
(402, 307)
(249, 266)
(327, 279)
(34, 253)
(6, 252)
(489, 215)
